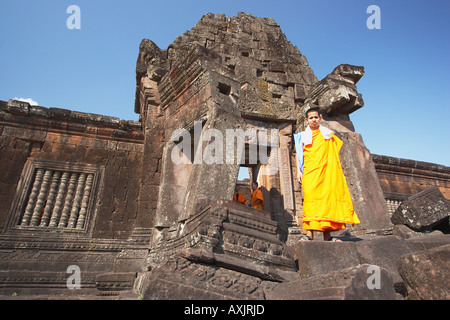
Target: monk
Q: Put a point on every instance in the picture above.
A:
(238, 197)
(257, 197)
(327, 204)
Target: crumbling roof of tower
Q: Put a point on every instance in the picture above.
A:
(253, 48)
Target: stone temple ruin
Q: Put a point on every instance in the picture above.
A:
(105, 195)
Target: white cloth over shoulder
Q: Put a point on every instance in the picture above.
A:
(307, 134)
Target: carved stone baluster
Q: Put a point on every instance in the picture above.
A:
(76, 201)
(33, 196)
(68, 201)
(85, 201)
(59, 200)
(37, 212)
(50, 199)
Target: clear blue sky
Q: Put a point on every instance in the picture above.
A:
(407, 62)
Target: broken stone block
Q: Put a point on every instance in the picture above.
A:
(18, 107)
(354, 283)
(426, 273)
(384, 252)
(337, 91)
(430, 241)
(321, 257)
(402, 231)
(423, 211)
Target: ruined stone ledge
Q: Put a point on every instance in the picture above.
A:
(33, 282)
(21, 115)
(410, 166)
(402, 178)
(266, 117)
(31, 264)
(18, 240)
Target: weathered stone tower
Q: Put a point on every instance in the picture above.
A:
(239, 73)
(242, 72)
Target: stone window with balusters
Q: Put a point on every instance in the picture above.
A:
(56, 196)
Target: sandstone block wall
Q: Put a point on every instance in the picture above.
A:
(402, 178)
(67, 139)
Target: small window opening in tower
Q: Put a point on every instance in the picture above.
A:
(243, 186)
(224, 88)
(243, 174)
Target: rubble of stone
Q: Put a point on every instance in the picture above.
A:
(105, 195)
(425, 273)
(318, 258)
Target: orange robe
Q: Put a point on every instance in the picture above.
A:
(238, 197)
(327, 204)
(257, 195)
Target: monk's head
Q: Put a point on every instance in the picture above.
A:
(254, 185)
(313, 118)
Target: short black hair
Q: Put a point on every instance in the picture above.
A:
(316, 109)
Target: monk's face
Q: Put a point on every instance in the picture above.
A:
(313, 120)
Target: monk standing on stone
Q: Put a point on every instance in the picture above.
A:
(327, 204)
(257, 197)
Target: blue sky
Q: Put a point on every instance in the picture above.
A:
(407, 61)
